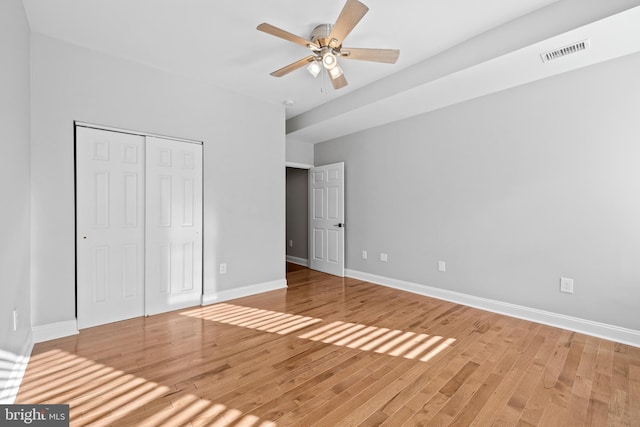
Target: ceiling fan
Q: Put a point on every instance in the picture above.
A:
(326, 46)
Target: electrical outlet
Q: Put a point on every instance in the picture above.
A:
(383, 257)
(223, 268)
(442, 266)
(566, 285)
(364, 254)
(290, 243)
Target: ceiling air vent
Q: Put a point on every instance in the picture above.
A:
(566, 50)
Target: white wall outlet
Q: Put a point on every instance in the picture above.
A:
(15, 319)
(364, 255)
(383, 257)
(290, 243)
(566, 285)
(442, 266)
(223, 268)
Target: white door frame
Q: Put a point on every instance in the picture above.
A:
(77, 123)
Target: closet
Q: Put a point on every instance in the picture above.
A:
(138, 225)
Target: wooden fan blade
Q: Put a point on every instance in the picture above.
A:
(293, 66)
(278, 32)
(351, 14)
(389, 56)
(338, 81)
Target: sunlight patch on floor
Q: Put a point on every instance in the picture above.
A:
(99, 394)
(392, 342)
(254, 318)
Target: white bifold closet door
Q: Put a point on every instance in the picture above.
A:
(138, 225)
(173, 244)
(109, 226)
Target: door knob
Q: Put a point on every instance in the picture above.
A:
(339, 225)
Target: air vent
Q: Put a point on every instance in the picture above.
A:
(566, 50)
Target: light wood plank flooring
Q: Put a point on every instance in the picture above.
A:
(335, 352)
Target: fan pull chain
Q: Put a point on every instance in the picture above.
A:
(324, 87)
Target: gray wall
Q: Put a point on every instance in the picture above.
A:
(297, 212)
(14, 185)
(244, 195)
(512, 190)
(299, 152)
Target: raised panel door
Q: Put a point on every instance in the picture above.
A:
(109, 226)
(326, 237)
(173, 225)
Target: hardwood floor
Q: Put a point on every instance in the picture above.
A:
(335, 352)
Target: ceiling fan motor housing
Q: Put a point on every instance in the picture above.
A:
(320, 34)
(327, 53)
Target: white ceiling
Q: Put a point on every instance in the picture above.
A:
(451, 50)
(504, 58)
(209, 39)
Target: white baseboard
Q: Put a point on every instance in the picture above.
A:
(299, 261)
(244, 291)
(18, 363)
(588, 327)
(52, 331)
(63, 329)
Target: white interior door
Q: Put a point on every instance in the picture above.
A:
(326, 222)
(174, 225)
(109, 226)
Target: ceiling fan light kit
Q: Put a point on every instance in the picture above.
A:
(329, 60)
(326, 46)
(314, 68)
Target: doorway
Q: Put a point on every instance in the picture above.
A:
(297, 216)
(315, 216)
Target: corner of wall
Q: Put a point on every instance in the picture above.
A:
(14, 372)
(299, 152)
(15, 189)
